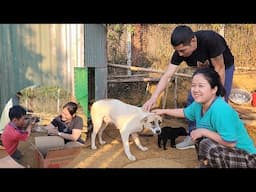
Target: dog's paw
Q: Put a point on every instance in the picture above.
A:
(94, 147)
(132, 158)
(144, 148)
(103, 142)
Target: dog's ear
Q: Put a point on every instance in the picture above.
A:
(144, 120)
(151, 117)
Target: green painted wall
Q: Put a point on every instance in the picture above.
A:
(81, 87)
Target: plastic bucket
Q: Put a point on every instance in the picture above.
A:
(254, 99)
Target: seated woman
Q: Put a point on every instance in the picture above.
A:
(225, 142)
(67, 125)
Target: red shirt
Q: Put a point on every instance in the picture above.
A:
(11, 137)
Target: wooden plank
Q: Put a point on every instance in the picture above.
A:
(134, 68)
(127, 76)
(243, 108)
(132, 80)
(248, 116)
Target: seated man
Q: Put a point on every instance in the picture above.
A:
(16, 130)
(15, 100)
(68, 125)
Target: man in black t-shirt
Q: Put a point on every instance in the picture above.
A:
(203, 48)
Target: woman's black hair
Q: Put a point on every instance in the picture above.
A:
(71, 106)
(213, 78)
(182, 34)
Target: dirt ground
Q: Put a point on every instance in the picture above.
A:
(111, 155)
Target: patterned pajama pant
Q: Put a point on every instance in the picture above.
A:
(219, 156)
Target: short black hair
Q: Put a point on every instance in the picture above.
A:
(17, 112)
(182, 34)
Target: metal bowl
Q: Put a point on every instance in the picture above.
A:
(240, 96)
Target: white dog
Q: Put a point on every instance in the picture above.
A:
(127, 118)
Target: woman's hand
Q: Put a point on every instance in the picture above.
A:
(158, 111)
(197, 133)
(53, 131)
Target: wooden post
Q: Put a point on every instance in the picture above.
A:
(129, 50)
(175, 91)
(165, 95)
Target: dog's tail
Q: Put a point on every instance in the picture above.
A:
(89, 121)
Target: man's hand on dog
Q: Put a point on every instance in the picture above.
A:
(149, 104)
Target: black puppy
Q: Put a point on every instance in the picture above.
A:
(170, 133)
